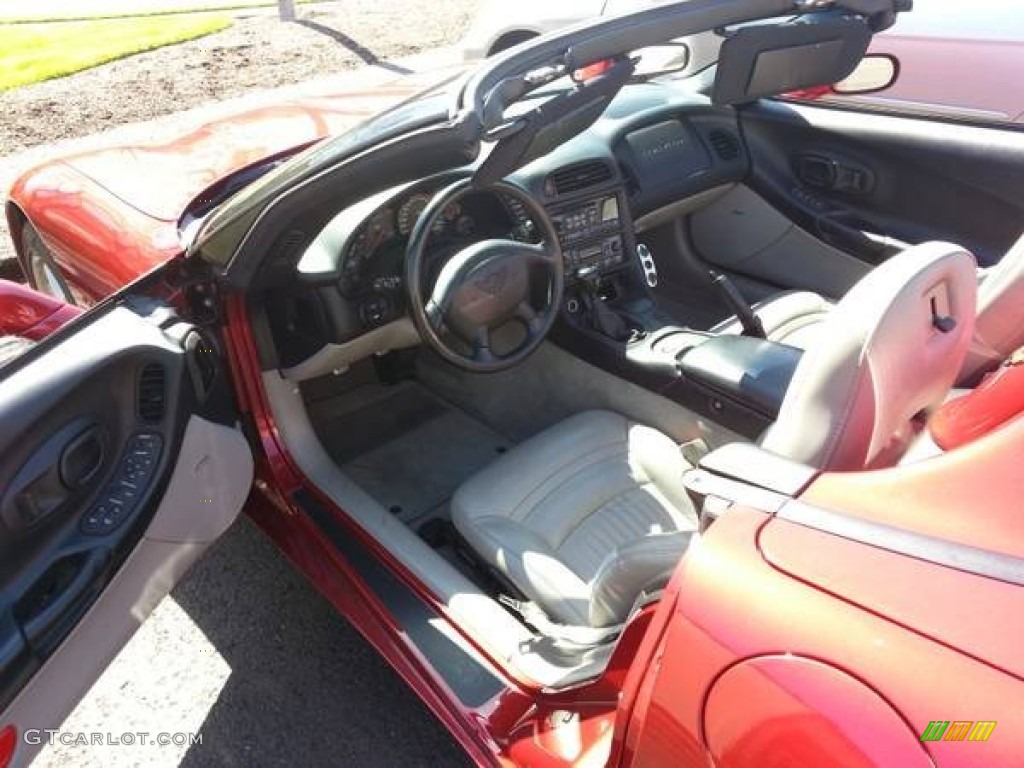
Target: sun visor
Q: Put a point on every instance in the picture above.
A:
(770, 59)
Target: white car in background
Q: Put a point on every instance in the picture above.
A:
(502, 24)
(945, 59)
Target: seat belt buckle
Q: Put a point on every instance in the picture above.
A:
(510, 602)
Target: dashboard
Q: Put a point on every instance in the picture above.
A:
(652, 148)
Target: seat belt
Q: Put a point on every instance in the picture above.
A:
(583, 637)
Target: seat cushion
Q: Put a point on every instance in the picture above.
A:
(550, 512)
(792, 317)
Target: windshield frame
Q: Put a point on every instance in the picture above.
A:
(503, 79)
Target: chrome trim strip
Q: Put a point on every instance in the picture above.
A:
(962, 557)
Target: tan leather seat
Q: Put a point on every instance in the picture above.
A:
(548, 514)
(589, 514)
(791, 317)
(795, 317)
(882, 361)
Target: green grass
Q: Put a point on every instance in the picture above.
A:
(30, 53)
(14, 11)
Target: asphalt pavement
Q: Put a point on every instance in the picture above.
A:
(246, 653)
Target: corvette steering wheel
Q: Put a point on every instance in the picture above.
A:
(484, 286)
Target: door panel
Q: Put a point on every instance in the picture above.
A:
(119, 464)
(745, 236)
(870, 183)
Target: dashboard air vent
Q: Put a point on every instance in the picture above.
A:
(572, 178)
(152, 393)
(726, 146)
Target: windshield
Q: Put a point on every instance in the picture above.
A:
(239, 212)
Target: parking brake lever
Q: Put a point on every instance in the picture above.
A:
(752, 325)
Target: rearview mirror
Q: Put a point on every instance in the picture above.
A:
(653, 61)
(876, 72)
(664, 59)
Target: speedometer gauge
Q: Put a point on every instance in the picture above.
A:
(410, 213)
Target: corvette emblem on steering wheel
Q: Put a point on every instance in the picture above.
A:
(492, 283)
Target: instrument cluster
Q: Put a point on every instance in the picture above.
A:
(374, 257)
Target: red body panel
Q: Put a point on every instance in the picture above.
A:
(809, 705)
(100, 243)
(735, 611)
(944, 496)
(29, 314)
(112, 214)
(999, 398)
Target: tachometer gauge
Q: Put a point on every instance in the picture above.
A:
(379, 229)
(410, 213)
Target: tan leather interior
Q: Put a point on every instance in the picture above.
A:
(586, 516)
(582, 517)
(796, 317)
(792, 317)
(882, 360)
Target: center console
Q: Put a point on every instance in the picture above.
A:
(611, 317)
(592, 235)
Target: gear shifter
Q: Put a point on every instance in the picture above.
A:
(752, 325)
(603, 319)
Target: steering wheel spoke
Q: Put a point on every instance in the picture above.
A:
(541, 254)
(481, 346)
(529, 317)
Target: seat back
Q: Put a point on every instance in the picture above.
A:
(999, 328)
(892, 348)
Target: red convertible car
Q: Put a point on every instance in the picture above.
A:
(637, 420)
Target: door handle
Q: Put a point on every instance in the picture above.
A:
(58, 598)
(63, 467)
(835, 174)
(82, 458)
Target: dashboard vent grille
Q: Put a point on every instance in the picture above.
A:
(726, 146)
(152, 394)
(576, 177)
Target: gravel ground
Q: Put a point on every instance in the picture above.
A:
(248, 655)
(257, 52)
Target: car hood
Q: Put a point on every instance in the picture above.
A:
(162, 179)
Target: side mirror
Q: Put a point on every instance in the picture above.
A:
(876, 72)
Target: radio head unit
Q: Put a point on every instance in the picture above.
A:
(590, 234)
